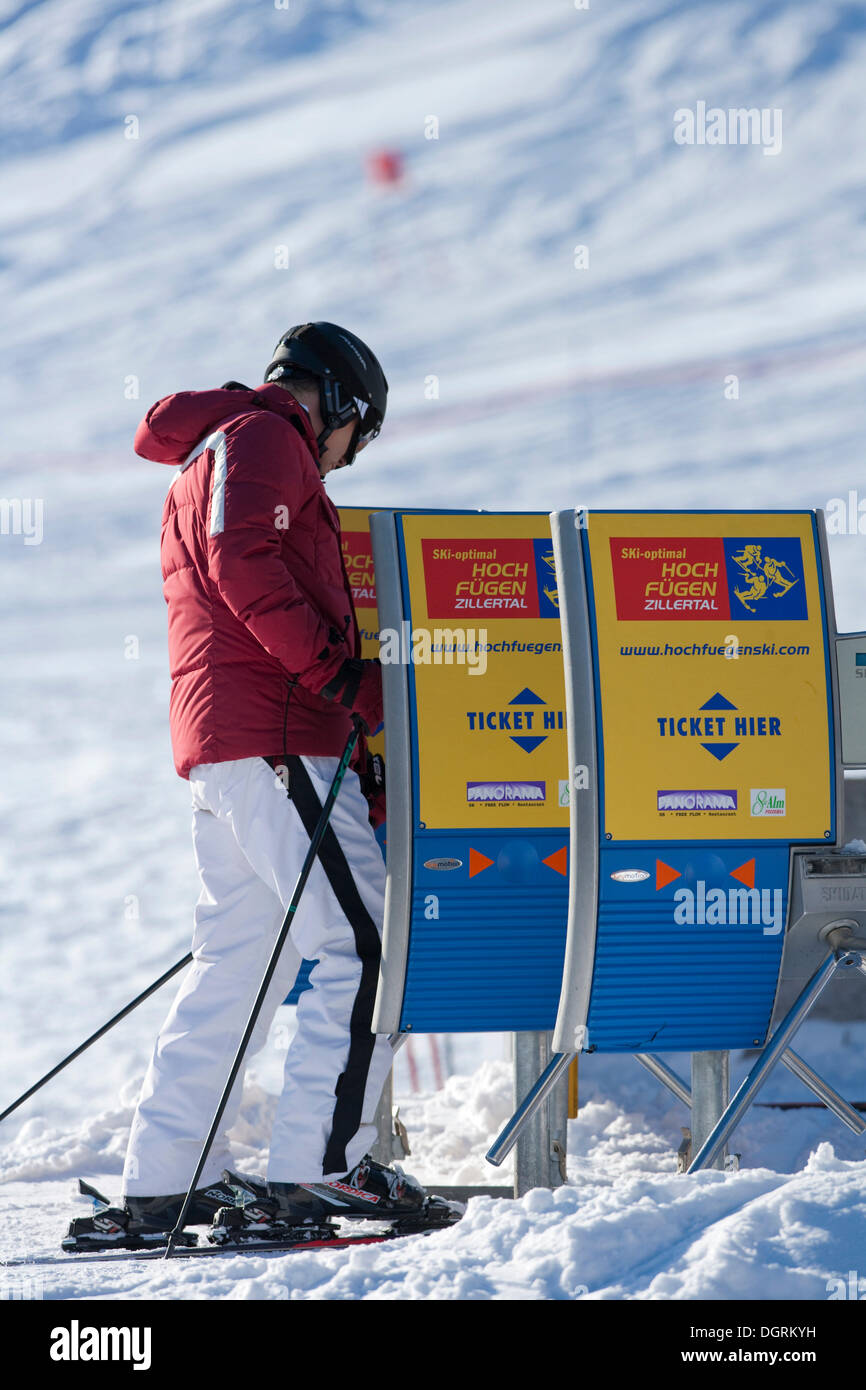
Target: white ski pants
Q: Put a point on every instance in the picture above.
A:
(250, 837)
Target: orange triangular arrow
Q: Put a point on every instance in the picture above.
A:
(745, 873)
(477, 862)
(558, 860)
(665, 874)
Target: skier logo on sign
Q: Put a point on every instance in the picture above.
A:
(551, 594)
(762, 575)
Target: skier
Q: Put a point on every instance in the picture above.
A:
(266, 677)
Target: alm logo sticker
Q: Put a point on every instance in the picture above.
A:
(767, 801)
(443, 863)
(630, 875)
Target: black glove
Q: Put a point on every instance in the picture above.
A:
(358, 686)
(372, 781)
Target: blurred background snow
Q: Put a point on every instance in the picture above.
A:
(490, 193)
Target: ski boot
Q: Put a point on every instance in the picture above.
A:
(370, 1191)
(259, 1214)
(142, 1223)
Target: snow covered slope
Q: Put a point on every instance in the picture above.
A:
(131, 267)
(153, 257)
(790, 1225)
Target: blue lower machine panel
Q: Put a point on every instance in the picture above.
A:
(688, 957)
(487, 936)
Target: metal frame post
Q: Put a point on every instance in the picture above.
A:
(541, 1146)
(663, 1073)
(395, 695)
(383, 1149)
(771, 1054)
(825, 1092)
(501, 1148)
(711, 1095)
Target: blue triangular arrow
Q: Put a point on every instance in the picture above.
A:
(718, 701)
(528, 744)
(528, 697)
(720, 750)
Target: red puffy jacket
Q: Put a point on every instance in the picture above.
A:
(260, 613)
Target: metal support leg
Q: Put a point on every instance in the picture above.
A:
(711, 1094)
(663, 1073)
(383, 1149)
(541, 1146)
(555, 1068)
(778, 1044)
(819, 1087)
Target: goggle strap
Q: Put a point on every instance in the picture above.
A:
(333, 407)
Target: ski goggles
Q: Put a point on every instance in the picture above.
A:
(370, 422)
(340, 409)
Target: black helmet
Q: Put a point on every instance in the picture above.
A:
(352, 385)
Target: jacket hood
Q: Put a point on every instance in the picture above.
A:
(174, 425)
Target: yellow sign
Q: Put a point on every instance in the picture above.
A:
(485, 649)
(712, 676)
(358, 559)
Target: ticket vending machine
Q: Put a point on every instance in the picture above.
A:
(478, 789)
(705, 737)
(698, 644)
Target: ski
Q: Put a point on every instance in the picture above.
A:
(286, 1245)
(106, 1237)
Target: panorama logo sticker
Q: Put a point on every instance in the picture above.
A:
(696, 800)
(515, 792)
(443, 862)
(630, 875)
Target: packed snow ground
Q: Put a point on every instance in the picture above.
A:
(130, 268)
(791, 1224)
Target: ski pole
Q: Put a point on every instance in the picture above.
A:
(309, 860)
(100, 1032)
